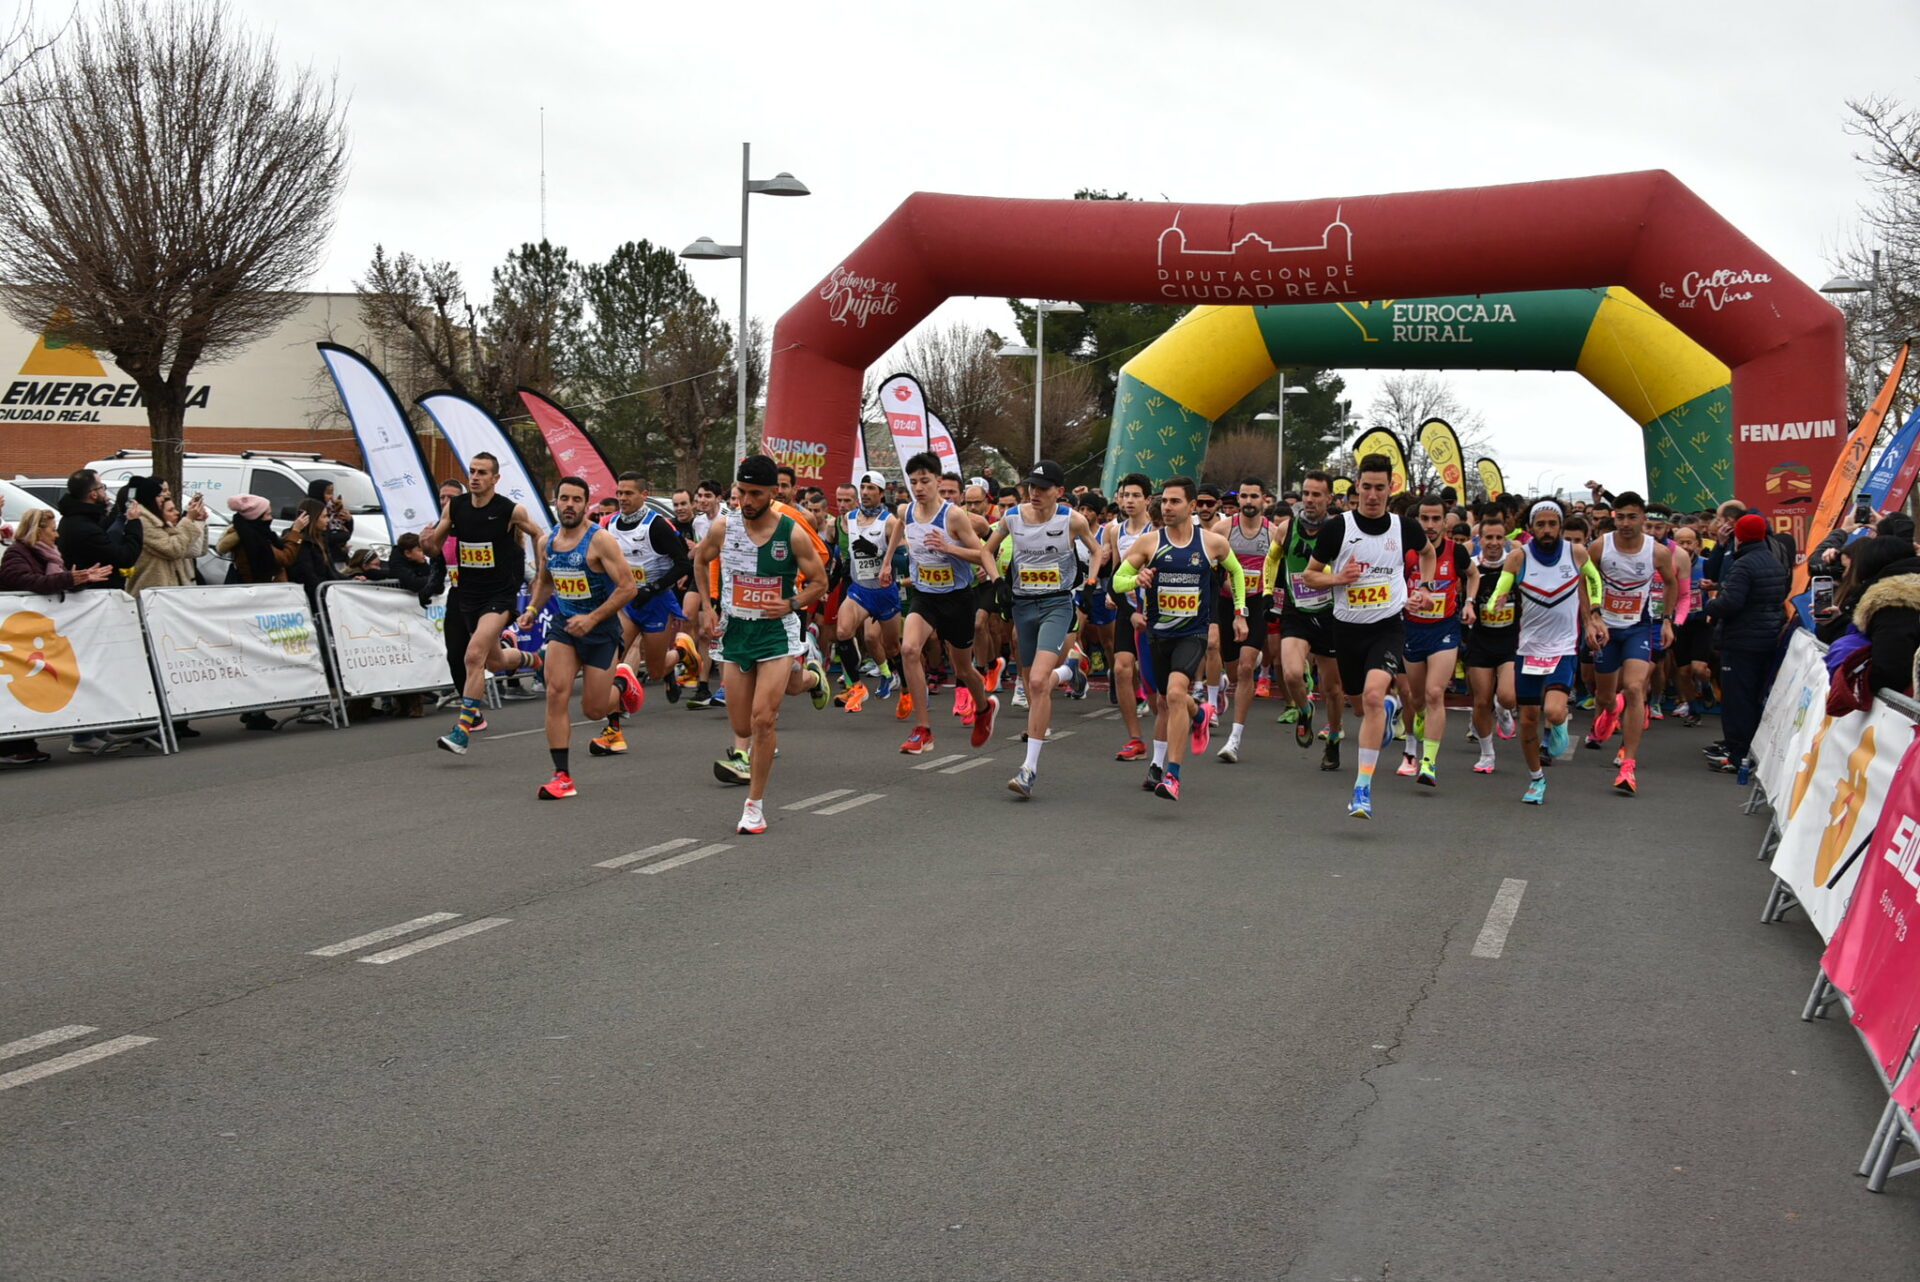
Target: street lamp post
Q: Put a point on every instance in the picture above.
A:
(1039, 353)
(1279, 421)
(704, 249)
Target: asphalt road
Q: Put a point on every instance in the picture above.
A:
(938, 1035)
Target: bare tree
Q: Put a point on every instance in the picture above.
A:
(165, 183)
(1071, 422)
(1233, 455)
(1885, 252)
(693, 394)
(1405, 401)
(965, 380)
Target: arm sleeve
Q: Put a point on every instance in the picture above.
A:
(1591, 573)
(1238, 577)
(1504, 584)
(1126, 577)
(1270, 571)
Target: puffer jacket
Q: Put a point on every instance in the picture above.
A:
(166, 553)
(1752, 606)
(86, 538)
(1889, 615)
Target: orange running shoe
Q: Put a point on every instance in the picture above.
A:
(1623, 783)
(609, 742)
(904, 707)
(992, 675)
(856, 696)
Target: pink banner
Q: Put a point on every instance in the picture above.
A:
(905, 406)
(1874, 956)
(574, 452)
(942, 442)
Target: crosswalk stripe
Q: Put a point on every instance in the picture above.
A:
(648, 853)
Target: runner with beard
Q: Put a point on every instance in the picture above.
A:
(1558, 588)
(1491, 636)
(1306, 619)
(762, 555)
(871, 611)
(1629, 562)
(658, 561)
(585, 573)
(1361, 558)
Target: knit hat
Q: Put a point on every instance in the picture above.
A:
(251, 506)
(146, 490)
(1750, 528)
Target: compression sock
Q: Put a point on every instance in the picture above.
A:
(1160, 753)
(1429, 752)
(529, 660)
(559, 756)
(1033, 752)
(849, 662)
(1369, 757)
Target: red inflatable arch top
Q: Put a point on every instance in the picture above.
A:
(1645, 231)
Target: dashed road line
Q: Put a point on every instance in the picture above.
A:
(937, 762)
(515, 734)
(860, 800)
(1506, 905)
(814, 801)
(434, 941)
(968, 765)
(636, 856)
(1102, 712)
(1051, 736)
(382, 935)
(52, 1037)
(72, 1059)
(680, 860)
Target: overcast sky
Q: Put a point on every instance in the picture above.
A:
(646, 107)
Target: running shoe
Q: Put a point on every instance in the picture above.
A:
(753, 820)
(1426, 778)
(1361, 807)
(1022, 783)
(1019, 694)
(1203, 728)
(1556, 739)
(1607, 722)
(822, 692)
(1133, 751)
(1229, 754)
(558, 787)
(856, 697)
(1654, 714)
(1420, 724)
(1393, 719)
(454, 741)
(1143, 709)
(887, 684)
(1484, 766)
(1536, 793)
(719, 699)
(1623, 783)
(962, 701)
(904, 708)
(1691, 720)
(1303, 727)
(1077, 677)
(700, 702)
(1718, 748)
(1585, 704)
(983, 720)
(1408, 766)
(921, 740)
(991, 677)
(1152, 781)
(734, 767)
(478, 727)
(686, 654)
(608, 743)
(1287, 717)
(1263, 688)
(634, 695)
(1330, 759)
(1503, 722)
(1168, 787)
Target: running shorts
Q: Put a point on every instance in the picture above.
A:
(880, 604)
(1098, 605)
(657, 614)
(1361, 648)
(1424, 640)
(1168, 655)
(747, 643)
(1489, 647)
(950, 613)
(473, 608)
(1315, 628)
(1258, 608)
(1530, 690)
(1124, 617)
(1624, 645)
(1042, 623)
(599, 648)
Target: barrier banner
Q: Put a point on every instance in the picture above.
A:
(1841, 774)
(470, 430)
(1799, 693)
(240, 646)
(400, 476)
(384, 641)
(1442, 445)
(905, 405)
(1887, 485)
(1874, 956)
(77, 662)
(1490, 477)
(940, 441)
(1379, 440)
(575, 453)
(1836, 500)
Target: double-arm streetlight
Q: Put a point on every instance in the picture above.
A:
(1279, 421)
(781, 184)
(1039, 353)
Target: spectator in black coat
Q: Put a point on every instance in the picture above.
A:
(312, 564)
(1749, 614)
(87, 538)
(1889, 616)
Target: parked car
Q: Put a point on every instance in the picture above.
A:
(47, 489)
(16, 501)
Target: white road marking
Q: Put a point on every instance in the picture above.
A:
(814, 801)
(967, 765)
(937, 762)
(65, 1033)
(687, 858)
(515, 734)
(860, 800)
(1103, 712)
(72, 1059)
(434, 941)
(1051, 736)
(382, 935)
(1506, 904)
(648, 853)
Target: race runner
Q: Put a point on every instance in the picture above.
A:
(1175, 567)
(1629, 562)
(760, 553)
(1549, 572)
(1361, 557)
(1046, 535)
(1250, 535)
(1491, 636)
(586, 575)
(871, 611)
(1433, 637)
(658, 562)
(1306, 620)
(487, 528)
(1131, 494)
(943, 550)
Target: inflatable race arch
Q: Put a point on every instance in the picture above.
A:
(1169, 394)
(1646, 232)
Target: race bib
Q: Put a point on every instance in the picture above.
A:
(479, 556)
(933, 576)
(1041, 579)
(1497, 616)
(453, 576)
(1308, 598)
(1657, 606)
(1363, 595)
(571, 584)
(754, 594)
(1539, 665)
(1620, 603)
(1178, 605)
(639, 575)
(1432, 612)
(867, 568)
